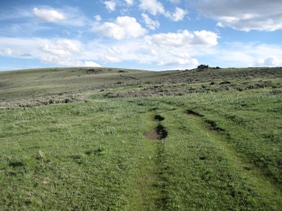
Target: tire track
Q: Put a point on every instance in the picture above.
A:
(219, 137)
(168, 179)
(161, 182)
(150, 184)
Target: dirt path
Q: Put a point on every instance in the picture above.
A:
(149, 187)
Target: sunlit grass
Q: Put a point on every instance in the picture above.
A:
(96, 154)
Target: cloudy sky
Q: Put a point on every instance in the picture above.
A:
(141, 34)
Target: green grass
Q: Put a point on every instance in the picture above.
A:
(222, 150)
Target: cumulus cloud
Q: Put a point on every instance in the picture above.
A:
(178, 15)
(68, 62)
(172, 50)
(237, 54)
(150, 23)
(110, 5)
(123, 27)
(204, 37)
(59, 52)
(184, 38)
(63, 52)
(61, 47)
(181, 49)
(269, 62)
(49, 15)
(244, 15)
(152, 6)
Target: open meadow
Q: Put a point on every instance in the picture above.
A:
(120, 139)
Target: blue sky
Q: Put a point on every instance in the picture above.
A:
(140, 34)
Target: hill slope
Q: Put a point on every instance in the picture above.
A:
(118, 139)
(56, 85)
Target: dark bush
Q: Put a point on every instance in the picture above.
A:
(202, 66)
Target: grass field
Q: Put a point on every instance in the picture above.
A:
(116, 139)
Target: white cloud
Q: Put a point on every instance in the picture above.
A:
(184, 38)
(109, 59)
(18, 46)
(269, 62)
(110, 5)
(130, 2)
(14, 52)
(123, 27)
(152, 6)
(8, 52)
(114, 50)
(244, 55)
(179, 62)
(68, 62)
(244, 15)
(150, 23)
(62, 52)
(68, 16)
(178, 15)
(97, 17)
(91, 64)
(48, 15)
(61, 47)
(182, 50)
(205, 38)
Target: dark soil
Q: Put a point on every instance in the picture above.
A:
(162, 133)
(159, 118)
(190, 112)
(158, 133)
(214, 126)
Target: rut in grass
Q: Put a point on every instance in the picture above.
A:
(150, 183)
(219, 136)
(212, 124)
(159, 132)
(191, 112)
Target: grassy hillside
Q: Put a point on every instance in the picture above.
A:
(119, 139)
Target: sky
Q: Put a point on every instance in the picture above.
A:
(140, 34)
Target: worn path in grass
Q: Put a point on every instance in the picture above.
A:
(127, 154)
(149, 193)
(217, 136)
(194, 167)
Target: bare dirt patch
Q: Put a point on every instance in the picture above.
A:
(158, 133)
(152, 135)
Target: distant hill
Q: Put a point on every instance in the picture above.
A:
(59, 85)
